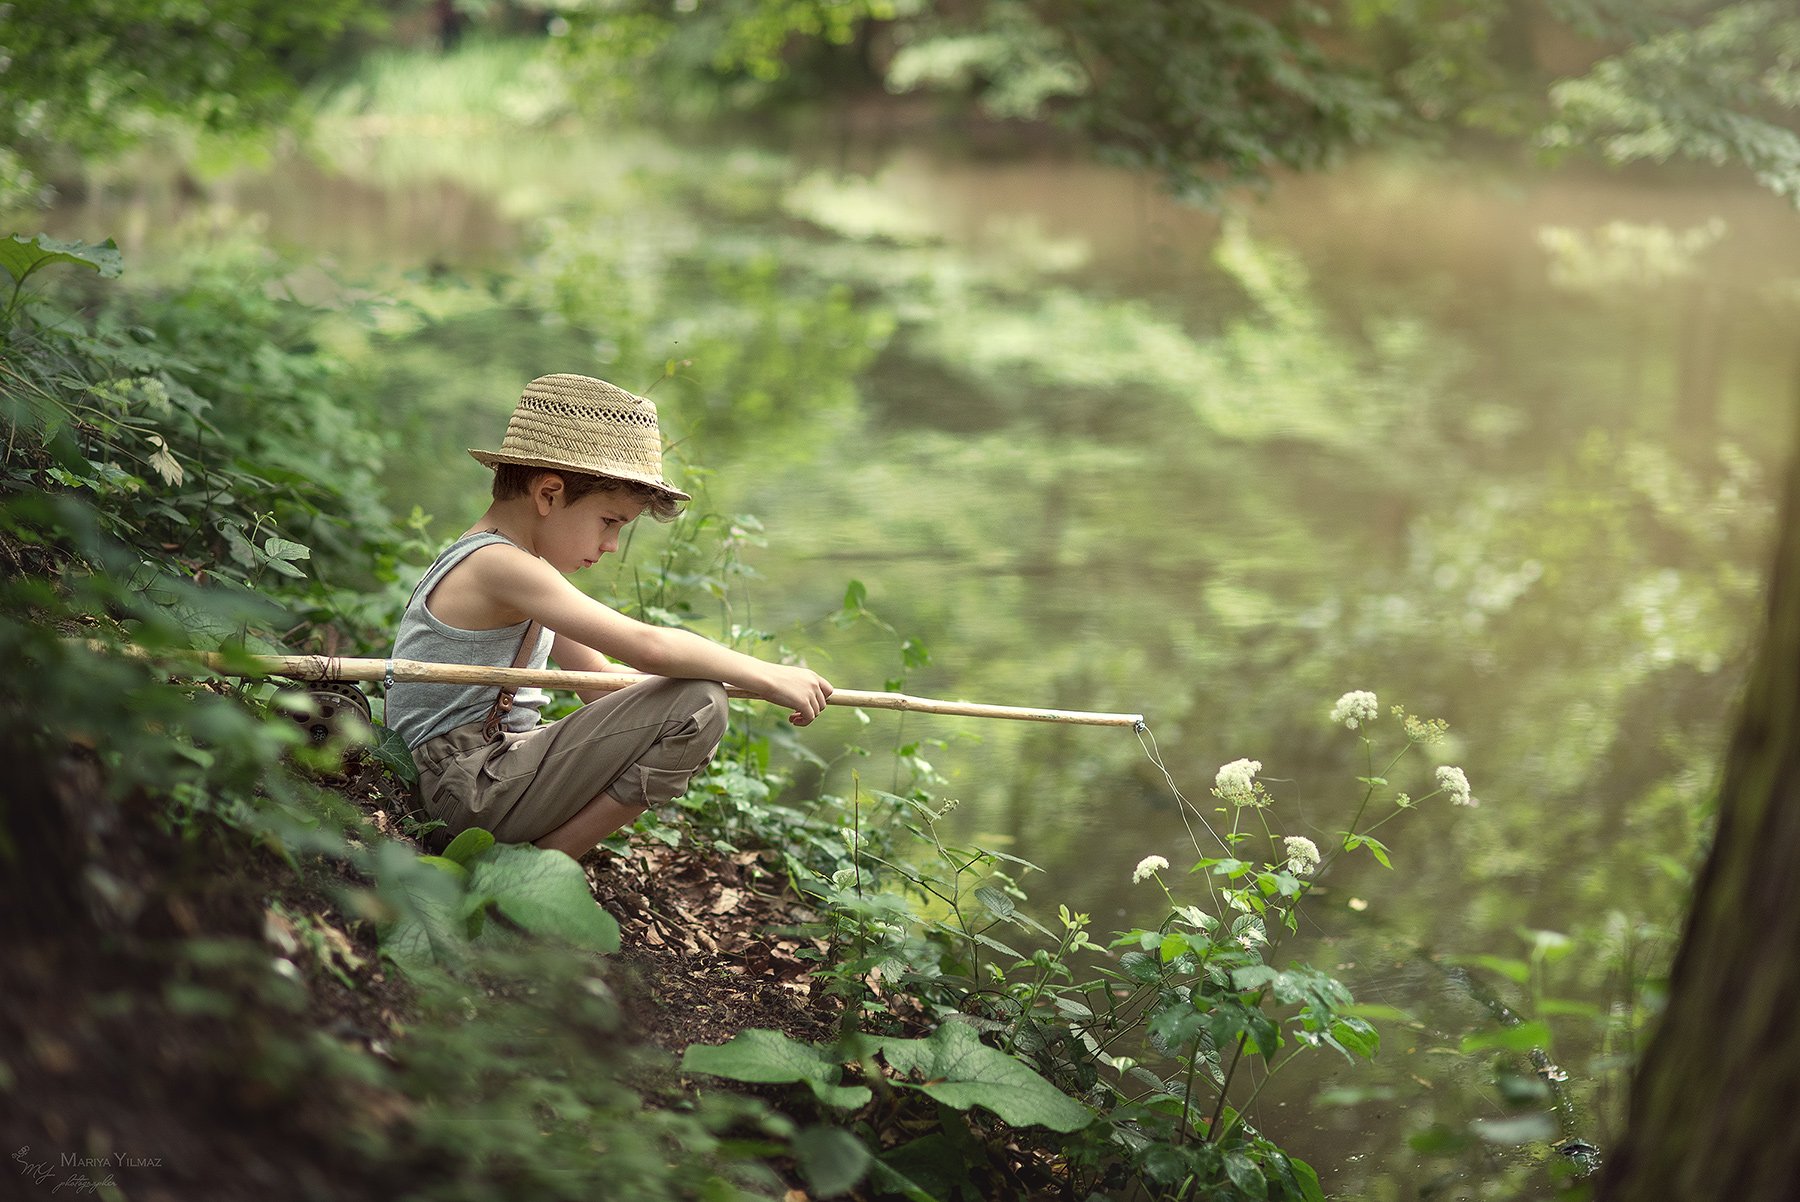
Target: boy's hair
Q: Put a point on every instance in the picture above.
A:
(514, 480)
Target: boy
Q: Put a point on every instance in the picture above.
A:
(580, 461)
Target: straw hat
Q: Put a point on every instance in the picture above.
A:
(581, 424)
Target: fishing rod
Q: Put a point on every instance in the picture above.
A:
(331, 668)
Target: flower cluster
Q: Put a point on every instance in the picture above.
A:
(1421, 730)
(1302, 854)
(1454, 782)
(1237, 784)
(1353, 709)
(1146, 868)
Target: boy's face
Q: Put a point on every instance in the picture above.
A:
(572, 537)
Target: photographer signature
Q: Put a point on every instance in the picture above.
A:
(39, 1172)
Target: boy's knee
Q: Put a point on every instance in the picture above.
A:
(703, 702)
(696, 713)
(713, 709)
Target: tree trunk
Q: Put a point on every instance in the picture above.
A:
(1711, 1109)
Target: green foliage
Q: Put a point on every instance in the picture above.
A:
(480, 891)
(510, 1077)
(1043, 1027)
(545, 893)
(1214, 92)
(1711, 87)
(133, 511)
(1014, 65)
(485, 81)
(962, 1072)
(83, 76)
(831, 1159)
(20, 257)
(769, 1057)
(1217, 93)
(1710, 81)
(1205, 93)
(958, 1070)
(705, 57)
(517, 1082)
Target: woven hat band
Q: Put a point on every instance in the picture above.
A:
(584, 425)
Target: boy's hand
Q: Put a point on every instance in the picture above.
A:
(800, 689)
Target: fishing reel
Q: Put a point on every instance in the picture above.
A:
(328, 710)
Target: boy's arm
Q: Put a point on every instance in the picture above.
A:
(579, 657)
(515, 580)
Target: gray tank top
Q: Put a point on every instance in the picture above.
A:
(418, 711)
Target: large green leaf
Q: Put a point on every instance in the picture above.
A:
(831, 1159)
(1139, 967)
(1354, 1035)
(1246, 1175)
(468, 845)
(427, 930)
(1307, 1179)
(20, 256)
(890, 1180)
(543, 891)
(998, 904)
(769, 1057)
(929, 1168)
(961, 1071)
(391, 750)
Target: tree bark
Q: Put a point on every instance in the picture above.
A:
(1712, 1105)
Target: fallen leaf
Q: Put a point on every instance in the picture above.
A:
(280, 932)
(339, 943)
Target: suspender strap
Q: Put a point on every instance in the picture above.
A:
(490, 726)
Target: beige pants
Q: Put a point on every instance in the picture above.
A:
(640, 744)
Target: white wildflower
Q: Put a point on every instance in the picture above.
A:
(1302, 854)
(1250, 937)
(1147, 866)
(1353, 709)
(1236, 783)
(1454, 782)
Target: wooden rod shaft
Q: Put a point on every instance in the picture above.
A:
(412, 671)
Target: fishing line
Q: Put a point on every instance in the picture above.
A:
(1142, 730)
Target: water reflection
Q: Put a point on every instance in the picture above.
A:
(1101, 452)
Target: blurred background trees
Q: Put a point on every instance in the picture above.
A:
(1208, 93)
(1212, 92)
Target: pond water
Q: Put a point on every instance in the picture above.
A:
(1494, 443)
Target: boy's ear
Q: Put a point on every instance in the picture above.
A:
(546, 487)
